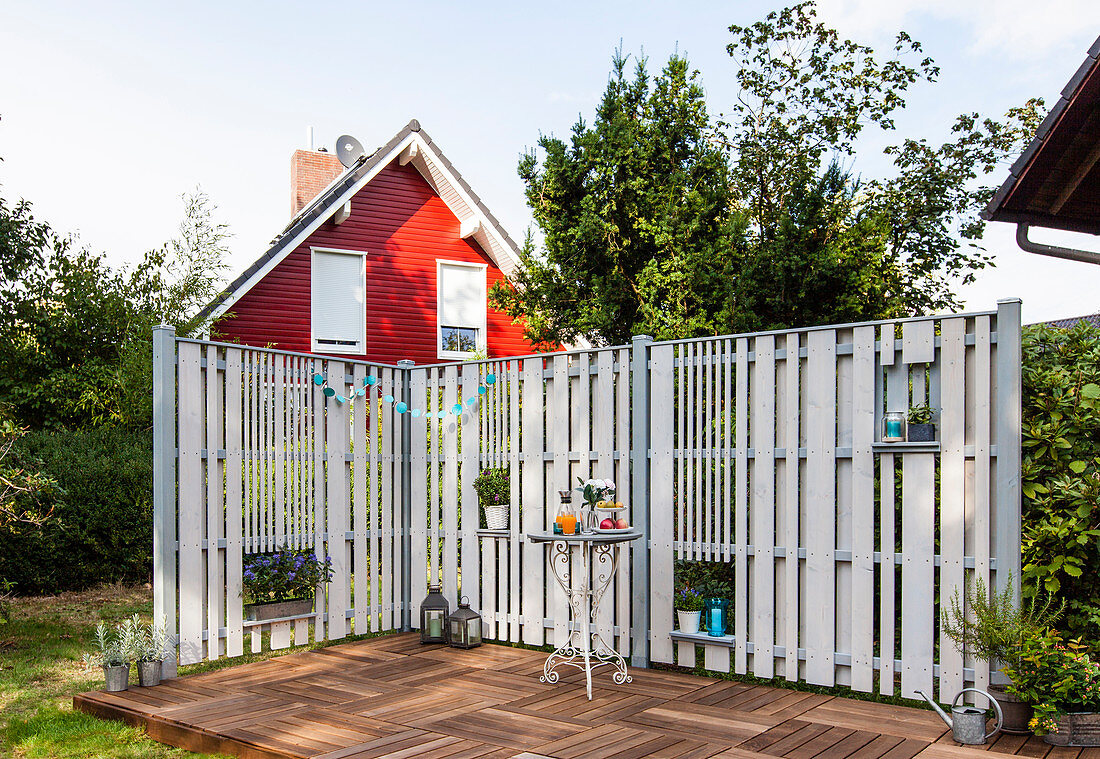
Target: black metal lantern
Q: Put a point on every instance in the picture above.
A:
(465, 626)
(433, 616)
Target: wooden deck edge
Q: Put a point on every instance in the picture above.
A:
(174, 734)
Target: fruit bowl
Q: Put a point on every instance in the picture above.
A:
(614, 531)
(613, 525)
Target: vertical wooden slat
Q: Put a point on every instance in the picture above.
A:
(234, 525)
(660, 515)
(360, 412)
(707, 460)
(279, 452)
(603, 434)
(897, 389)
(762, 510)
(215, 489)
(863, 509)
(981, 488)
(680, 504)
(450, 486)
(374, 501)
(336, 440)
(191, 503)
(820, 389)
(558, 403)
(318, 516)
(741, 511)
(435, 425)
(516, 538)
(623, 480)
(842, 500)
(952, 521)
(791, 505)
(727, 447)
(418, 496)
(471, 443)
(391, 616)
(698, 402)
(533, 581)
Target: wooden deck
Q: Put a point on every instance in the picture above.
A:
(392, 697)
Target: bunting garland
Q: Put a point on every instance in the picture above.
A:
(400, 406)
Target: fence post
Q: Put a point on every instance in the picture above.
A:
(406, 366)
(639, 489)
(164, 487)
(1009, 423)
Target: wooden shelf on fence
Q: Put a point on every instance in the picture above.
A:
(702, 637)
(932, 446)
(494, 533)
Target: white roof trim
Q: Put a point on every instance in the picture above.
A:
(491, 238)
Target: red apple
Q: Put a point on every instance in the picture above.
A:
(607, 524)
(622, 524)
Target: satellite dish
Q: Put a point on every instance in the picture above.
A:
(349, 150)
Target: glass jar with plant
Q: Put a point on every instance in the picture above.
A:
(114, 650)
(689, 609)
(921, 429)
(1063, 683)
(283, 583)
(595, 492)
(494, 494)
(993, 628)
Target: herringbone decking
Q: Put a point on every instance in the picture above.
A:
(392, 697)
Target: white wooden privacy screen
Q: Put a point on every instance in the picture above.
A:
(758, 451)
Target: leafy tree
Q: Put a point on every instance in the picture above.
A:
(74, 341)
(24, 492)
(636, 215)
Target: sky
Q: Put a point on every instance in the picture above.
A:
(110, 111)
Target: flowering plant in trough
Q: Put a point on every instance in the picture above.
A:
(284, 575)
(1057, 677)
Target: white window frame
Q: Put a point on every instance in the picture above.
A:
(357, 350)
(482, 328)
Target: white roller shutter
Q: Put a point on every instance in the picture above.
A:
(338, 298)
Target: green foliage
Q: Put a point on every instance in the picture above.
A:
(636, 214)
(284, 575)
(1060, 474)
(116, 648)
(25, 492)
(492, 487)
(657, 219)
(688, 599)
(991, 626)
(75, 340)
(1056, 677)
(922, 413)
(101, 529)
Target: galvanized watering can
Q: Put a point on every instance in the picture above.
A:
(967, 723)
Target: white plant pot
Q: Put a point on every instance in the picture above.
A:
(689, 620)
(496, 517)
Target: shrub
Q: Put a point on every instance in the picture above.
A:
(1057, 678)
(1061, 472)
(101, 528)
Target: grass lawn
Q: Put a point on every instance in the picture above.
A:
(41, 669)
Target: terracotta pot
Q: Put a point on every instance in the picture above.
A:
(689, 620)
(1017, 713)
(1076, 729)
(148, 673)
(298, 607)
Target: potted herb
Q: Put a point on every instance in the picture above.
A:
(114, 651)
(283, 583)
(151, 651)
(991, 627)
(920, 428)
(689, 609)
(494, 493)
(1063, 683)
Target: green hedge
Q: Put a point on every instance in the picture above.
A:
(1061, 472)
(102, 530)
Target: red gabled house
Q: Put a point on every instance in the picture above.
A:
(388, 259)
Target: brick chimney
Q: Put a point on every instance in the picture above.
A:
(310, 172)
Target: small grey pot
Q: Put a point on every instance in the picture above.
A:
(118, 678)
(922, 433)
(148, 673)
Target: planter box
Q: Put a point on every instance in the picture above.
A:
(1076, 729)
(921, 433)
(298, 607)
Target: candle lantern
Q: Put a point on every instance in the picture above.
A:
(715, 616)
(465, 626)
(893, 427)
(433, 617)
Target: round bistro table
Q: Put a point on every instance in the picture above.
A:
(598, 553)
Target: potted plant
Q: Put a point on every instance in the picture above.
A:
(1063, 683)
(494, 493)
(283, 583)
(595, 493)
(114, 652)
(151, 652)
(920, 427)
(991, 627)
(689, 609)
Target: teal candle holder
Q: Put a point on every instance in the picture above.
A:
(714, 616)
